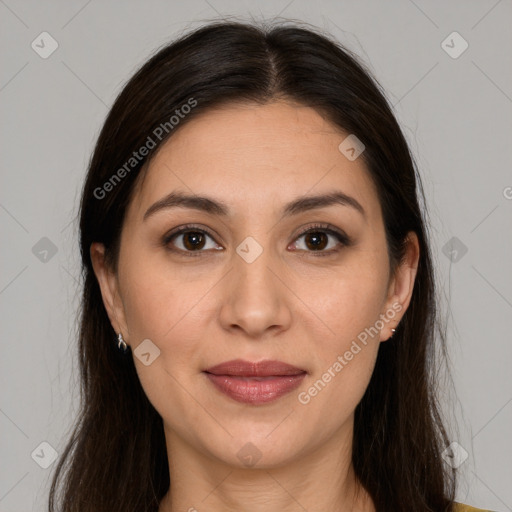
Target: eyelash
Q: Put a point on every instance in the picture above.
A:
(342, 238)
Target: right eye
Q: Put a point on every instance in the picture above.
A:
(189, 239)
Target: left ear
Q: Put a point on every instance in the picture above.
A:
(401, 285)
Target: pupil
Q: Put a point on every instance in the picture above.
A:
(195, 238)
(319, 240)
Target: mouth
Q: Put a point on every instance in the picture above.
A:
(255, 383)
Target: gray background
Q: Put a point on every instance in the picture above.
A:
(456, 113)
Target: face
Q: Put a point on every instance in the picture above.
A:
(255, 279)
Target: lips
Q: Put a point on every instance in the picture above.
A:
(255, 382)
(241, 368)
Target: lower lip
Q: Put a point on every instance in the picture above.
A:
(251, 391)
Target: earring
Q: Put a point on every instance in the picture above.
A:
(121, 344)
(392, 332)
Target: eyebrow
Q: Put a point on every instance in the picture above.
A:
(214, 207)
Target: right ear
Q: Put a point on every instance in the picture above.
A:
(109, 287)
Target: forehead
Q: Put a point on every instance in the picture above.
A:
(252, 156)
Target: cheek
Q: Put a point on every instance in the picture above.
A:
(345, 358)
(349, 300)
(356, 306)
(159, 298)
(174, 322)
(349, 308)
(332, 396)
(170, 314)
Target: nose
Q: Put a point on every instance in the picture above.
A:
(256, 299)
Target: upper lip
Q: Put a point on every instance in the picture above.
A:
(241, 368)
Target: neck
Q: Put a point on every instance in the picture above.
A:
(322, 480)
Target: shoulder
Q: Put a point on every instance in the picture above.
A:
(460, 507)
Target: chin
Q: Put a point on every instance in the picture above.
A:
(246, 450)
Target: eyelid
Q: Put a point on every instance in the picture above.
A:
(328, 228)
(189, 227)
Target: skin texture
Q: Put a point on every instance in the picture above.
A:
(289, 304)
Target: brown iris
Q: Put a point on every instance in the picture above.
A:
(193, 240)
(318, 240)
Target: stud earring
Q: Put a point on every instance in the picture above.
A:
(121, 344)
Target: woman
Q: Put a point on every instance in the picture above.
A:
(258, 315)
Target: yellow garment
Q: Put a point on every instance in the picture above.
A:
(459, 507)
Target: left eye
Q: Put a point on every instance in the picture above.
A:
(320, 240)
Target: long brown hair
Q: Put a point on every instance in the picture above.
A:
(116, 457)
